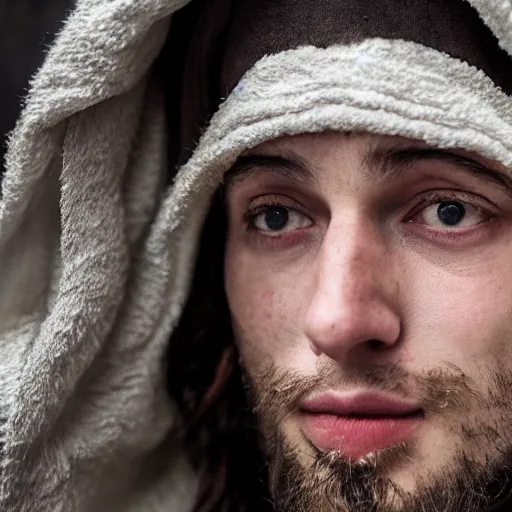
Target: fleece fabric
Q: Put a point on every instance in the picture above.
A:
(97, 251)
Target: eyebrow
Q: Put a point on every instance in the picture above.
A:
(290, 166)
(381, 162)
(390, 163)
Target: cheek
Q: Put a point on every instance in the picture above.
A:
(462, 318)
(266, 307)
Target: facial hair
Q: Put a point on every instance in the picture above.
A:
(330, 482)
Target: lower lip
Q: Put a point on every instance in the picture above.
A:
(356, 437)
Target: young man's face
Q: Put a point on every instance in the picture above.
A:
(369, 280)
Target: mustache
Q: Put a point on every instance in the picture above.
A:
(275, 392)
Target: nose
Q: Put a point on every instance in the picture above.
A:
(354, 301)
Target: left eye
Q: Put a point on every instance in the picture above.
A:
(275, 220)
(452, 214)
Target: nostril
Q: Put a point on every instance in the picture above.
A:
(375, 344)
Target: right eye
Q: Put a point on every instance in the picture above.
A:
(274, 220)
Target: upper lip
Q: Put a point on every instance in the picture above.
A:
(358, 404)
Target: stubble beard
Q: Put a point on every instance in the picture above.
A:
(327, 482)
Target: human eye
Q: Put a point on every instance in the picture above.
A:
(275, 219)
(448, 213)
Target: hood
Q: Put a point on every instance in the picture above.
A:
(97, 250)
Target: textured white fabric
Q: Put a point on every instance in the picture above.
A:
(96, 262)
(86, 422)
(497, 15)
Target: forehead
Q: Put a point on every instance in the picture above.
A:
(312, 157)
(318, 146)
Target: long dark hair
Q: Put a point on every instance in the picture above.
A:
(203, 375)
(207, 383)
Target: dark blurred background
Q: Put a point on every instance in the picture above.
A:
(27, 27)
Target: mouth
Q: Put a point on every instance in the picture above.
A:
(359, 424)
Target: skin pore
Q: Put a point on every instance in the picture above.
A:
(359, 264)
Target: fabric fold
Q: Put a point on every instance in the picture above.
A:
(97, 254)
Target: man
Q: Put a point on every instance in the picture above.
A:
(325, 282)
(352, 266)
(363, 275)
